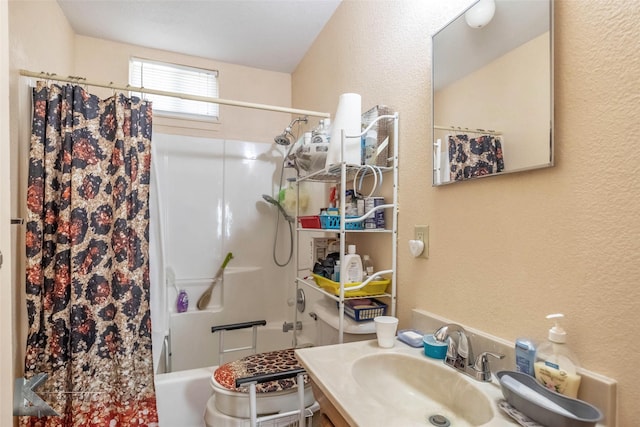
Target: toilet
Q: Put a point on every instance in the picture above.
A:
(230, 408)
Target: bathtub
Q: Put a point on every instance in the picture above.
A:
(182, 395)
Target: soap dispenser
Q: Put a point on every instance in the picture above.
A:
(556, 366)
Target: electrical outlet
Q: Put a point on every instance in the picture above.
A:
(421, 232)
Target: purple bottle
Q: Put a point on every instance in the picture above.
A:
(182, 303)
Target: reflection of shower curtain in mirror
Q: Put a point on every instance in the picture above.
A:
(87, 267)
(473, 157)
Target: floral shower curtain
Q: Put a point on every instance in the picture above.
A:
(87, 270)
(473, 157)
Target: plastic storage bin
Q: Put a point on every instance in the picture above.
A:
(312, 221)
(332, 222)
(375, 287)
(362, 312)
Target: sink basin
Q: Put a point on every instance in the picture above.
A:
(420, 388)
(400, 387)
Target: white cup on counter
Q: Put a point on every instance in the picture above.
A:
(386, 327)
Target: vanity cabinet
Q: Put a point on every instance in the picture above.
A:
(344, 177)
(328, 415)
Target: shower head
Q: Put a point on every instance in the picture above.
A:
(283, 139)
(286, 136)
(276, 203)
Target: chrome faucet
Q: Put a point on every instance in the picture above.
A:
(460, 353)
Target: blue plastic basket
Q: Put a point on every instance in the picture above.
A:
(377, 308)
(332, 222)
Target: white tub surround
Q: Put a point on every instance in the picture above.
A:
(206, 202)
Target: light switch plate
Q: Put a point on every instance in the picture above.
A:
(421, 232)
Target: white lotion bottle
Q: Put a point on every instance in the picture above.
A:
(351, 269)
(555, 365)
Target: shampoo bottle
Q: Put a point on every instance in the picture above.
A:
(336, 272)
(525, 356)
(555, 365)
(351, 270)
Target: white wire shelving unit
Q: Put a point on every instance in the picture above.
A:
(342, 174)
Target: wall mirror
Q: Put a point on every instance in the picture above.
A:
(493, 91)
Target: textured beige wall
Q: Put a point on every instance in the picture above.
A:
(506, 251)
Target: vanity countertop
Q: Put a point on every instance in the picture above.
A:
(330, 368)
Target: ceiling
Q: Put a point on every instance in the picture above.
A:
(275, 34)
(267, 34)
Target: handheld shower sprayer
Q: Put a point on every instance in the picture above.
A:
(286, 136)
(276, 203)
(285, 139)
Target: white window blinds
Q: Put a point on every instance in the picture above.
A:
(176, 78)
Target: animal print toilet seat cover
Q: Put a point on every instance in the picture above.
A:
(257, 364)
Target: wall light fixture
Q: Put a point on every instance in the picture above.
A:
(480, 14)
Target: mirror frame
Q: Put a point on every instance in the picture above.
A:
(551, 142)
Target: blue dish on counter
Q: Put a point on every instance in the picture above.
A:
(412, 337)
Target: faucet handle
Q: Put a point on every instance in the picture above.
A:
(481, 366)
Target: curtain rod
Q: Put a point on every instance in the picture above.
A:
(111, 85)
(458, 129)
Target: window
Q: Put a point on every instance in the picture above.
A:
(176, 78)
